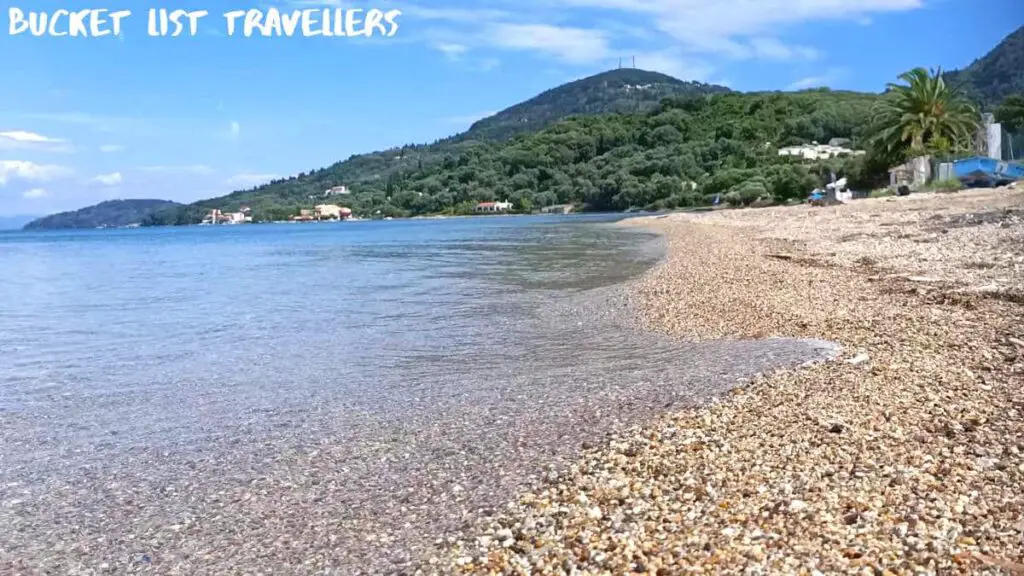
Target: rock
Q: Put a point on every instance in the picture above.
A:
(859, 359)
(797, 506)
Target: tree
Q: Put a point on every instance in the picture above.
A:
(1011, 113)
(923, 115)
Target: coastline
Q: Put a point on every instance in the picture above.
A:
(903, 455)
(362, 480)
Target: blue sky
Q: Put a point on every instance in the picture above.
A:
(88, 119)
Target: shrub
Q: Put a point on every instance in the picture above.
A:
(951, 185)
(748, 192)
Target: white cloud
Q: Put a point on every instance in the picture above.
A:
(737, 29)
(332, 3)
(94, 121)
(191, 169)
(808, 82)
(830, 76)
(572, 45)
(674, 63)
(457, 15)
(112, 179)
(35, 193)
(233, 131)
(23, 136)
(246, 180)
(773, 49)
(30, 171)
(111, 148)
(488, 64)
(702, 23)
(451, 50)
(24, 140)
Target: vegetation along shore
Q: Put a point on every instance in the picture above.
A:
(905, 455)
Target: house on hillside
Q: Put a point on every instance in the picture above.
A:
(337, 191)
(815, 151)
(492, 207)
(331, 212)
(558, 209)
(243, 216)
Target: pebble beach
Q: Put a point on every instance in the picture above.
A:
(904, 454)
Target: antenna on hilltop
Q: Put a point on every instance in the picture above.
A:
(620, 62)
(634, 62)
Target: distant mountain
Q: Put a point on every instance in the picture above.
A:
(381, 173)
(112, 213)
(995, 75)
(624, 90)
(15, 222)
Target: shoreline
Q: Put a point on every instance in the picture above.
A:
(904, 455)
(363, 482)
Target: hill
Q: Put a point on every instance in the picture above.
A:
(625, 90)
(615, 91)
(112, 213)
(682, 153)
(995, 75)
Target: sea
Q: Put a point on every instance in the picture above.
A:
(336, 396)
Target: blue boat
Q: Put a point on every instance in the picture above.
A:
(982, 171)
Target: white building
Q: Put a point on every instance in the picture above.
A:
(243, 216)
(815, 151)
(493, 207)
(337, 191)
(331, 212)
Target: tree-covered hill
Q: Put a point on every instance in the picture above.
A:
(995, 75)
(682, 153)
(111, 213)
(600, 130)
(623, 90)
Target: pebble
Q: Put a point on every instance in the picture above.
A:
(895, 462)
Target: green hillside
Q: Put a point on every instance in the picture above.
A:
(995, 75)
(111, 213)
(624, 90)
(607, 141)
(679, 154)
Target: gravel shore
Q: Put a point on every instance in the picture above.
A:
(904, 455)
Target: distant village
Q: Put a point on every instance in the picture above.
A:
(335, 212)
(319, 212)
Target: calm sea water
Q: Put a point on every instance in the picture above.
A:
(147, 333)
(159, 369)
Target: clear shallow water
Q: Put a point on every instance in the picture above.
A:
(148, 375)
(153, 331)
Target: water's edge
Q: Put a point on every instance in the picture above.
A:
(363, 488)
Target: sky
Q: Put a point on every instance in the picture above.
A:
(87, 119)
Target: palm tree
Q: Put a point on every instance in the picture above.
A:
(923, 115)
